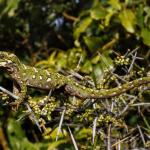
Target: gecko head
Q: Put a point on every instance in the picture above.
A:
(7, 60)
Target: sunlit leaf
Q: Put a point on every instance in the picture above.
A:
(115, 4)
(83, 133)
(98, 12)
(54, 145)
(145, 34)
(128, 20)
(11, 6)
(17, 137)
(147, 17)
(97, 72)
(95, 59)
(56, 61)
(83, 25)
(87, 67)
(108, 17)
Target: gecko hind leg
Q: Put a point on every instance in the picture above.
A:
(19, 91)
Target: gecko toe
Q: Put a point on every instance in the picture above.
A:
(14, 105)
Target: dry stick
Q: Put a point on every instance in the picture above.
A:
(78, 76)
(118, 145)
(133, 138)
(79, 62)
(124, 139)
(126, 54)
(132, 63)
(141, 134)
(49, 94)
(112, 106)
(69, 17)
(134, 50)
(126, 107)
(32, 116)
(94, 125)
(73, 139)
(140, 104)
(120, 141)
(94, 129)
(9, 93)
(109, 138)
(60, 123)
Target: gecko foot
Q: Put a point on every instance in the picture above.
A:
(14, 105)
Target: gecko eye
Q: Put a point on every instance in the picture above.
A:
(1, 56)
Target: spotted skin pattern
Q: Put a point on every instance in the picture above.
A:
(26, 76)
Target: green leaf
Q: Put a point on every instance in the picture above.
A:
(145, 34)
(98, 12)
(83, 25)
(93, 43)
(147, 16)
(97, 72)
(11, 6)
(115, 4)
(108, 17)
(17, 138)
(128, 20)
(87, 67)
(140, 17)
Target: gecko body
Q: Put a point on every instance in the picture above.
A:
(26, 76)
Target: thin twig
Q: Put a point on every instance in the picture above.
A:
(124, 110)
(60, 124)
(141, 134)
(132, 63)
(126, 54)
(79, 62)
(119, 145)
(32, 116)
(134, 50)
(126, 106)
(109, 138)
(120, 141)
(69, 17)
(134, 137)
(73, 139)
(94, 129)
(49, 94)
(9, 93)
(112, 106)
(140, 104)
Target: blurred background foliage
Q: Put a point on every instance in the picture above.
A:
(58, 34)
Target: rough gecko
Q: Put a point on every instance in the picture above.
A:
(26, 76)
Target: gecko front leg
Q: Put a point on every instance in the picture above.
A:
(19, 89)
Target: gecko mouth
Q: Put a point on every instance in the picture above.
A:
(3, 63)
